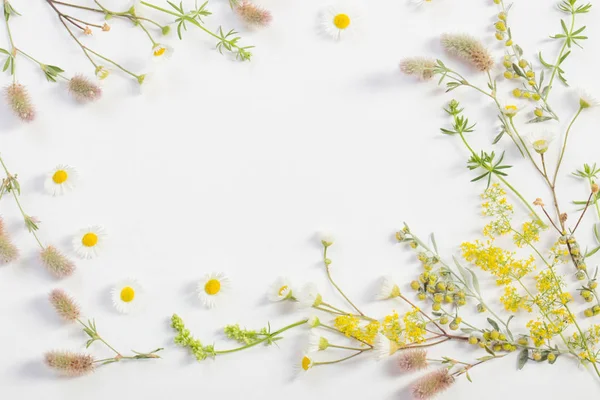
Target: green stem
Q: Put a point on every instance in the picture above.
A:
(344, 347)
(560, 55)
(147, 33)
(274, 334)
(334, 284)
(112, 62)
(341, 359)
(564, 146)
(12, 44)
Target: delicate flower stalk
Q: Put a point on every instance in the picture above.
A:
(432, 384)
(83, 90)
(412, 360)
(469, 49)
(64, 305)
(253, 15)
(421, 67)
(19, 102)
(70, 364)
(56, 263)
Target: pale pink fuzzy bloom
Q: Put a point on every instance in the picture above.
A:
(420, 67)
(19, 101)
(65, 305)
(8, 251)
(412, 360)
(469, 49)
(56, 263)
(430, 385)
(2, 228)
(70, 364)
(252, 14)
(84, 90)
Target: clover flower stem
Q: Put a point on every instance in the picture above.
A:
(268, 337)
(564, 147)
(560, 55)
(13, 48)
(16, 197)
(341, 359)
(41, 64)
(99, 338)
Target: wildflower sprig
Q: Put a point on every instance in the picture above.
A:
(74, 364)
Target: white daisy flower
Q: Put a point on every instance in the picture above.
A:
(161, 52)
(421, 2)
(306, 362)
(127, 296)
(314, 321)
(384, 347)
(540, 140)
(280, 290)
(212, 288)
(309, 296)
(326, 239)
(317, 343)
(510, 110)
(89, 242)
(340, 20)
(586, 100)
(61, 179)
(388, 289)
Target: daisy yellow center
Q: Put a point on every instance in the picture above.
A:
(127, 294)
(282, 290)
(60, 176)
(341, 21)
(159, 51)
(305, 363)
(539, 143)
(89, 239)
(510, 108)
(212, 287)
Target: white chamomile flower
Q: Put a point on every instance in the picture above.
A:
(127, 296)
(306, 362)
(280, 290)
(161, 52)
(309, 296)
(60, 180)
(421, 2)
(384, 347)
(340, 20)
(314, 321)
(326, 239)
(212, 288)
(510, 110)
(586, 100)
(540, 140)
(317, 343)
(388, 289)
(89, 242)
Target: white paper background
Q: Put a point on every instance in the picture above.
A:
(225, 166)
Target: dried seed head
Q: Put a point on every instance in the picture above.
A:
(70, 364)
(469, 49)
(56, 263)
(538, 202)
(64, 305)
(420, 67)
(87, 31)
(83, 90)
(19, 101)
(595, 188)
(432, 384)
(8, 251)
(253, 15)
(412, 360)
(106, 27)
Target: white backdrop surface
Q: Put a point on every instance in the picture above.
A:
(233, 167)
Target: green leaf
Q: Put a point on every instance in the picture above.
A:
(523, 358)
(434, 244)
(494, 324)
(475, 282)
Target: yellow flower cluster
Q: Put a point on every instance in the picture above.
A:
(350, 326)
(550, 294)
(495, 205)
(557, 321)
(514, 302)
(391, 328)
(499, 262)
(414, 327)
(530, 233)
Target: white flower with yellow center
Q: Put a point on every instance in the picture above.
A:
(317, 343)
(212, 288)
(510, 110)
(127, 296)
(586, 100)
(421, 2)
(388, 289)
(280, 290)
(161, 52)
(384, 347)
(60, 180)
(309, 296)
(88, 242)
(340, 20)
(306, 363)
(540, 141)
(314, 321)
